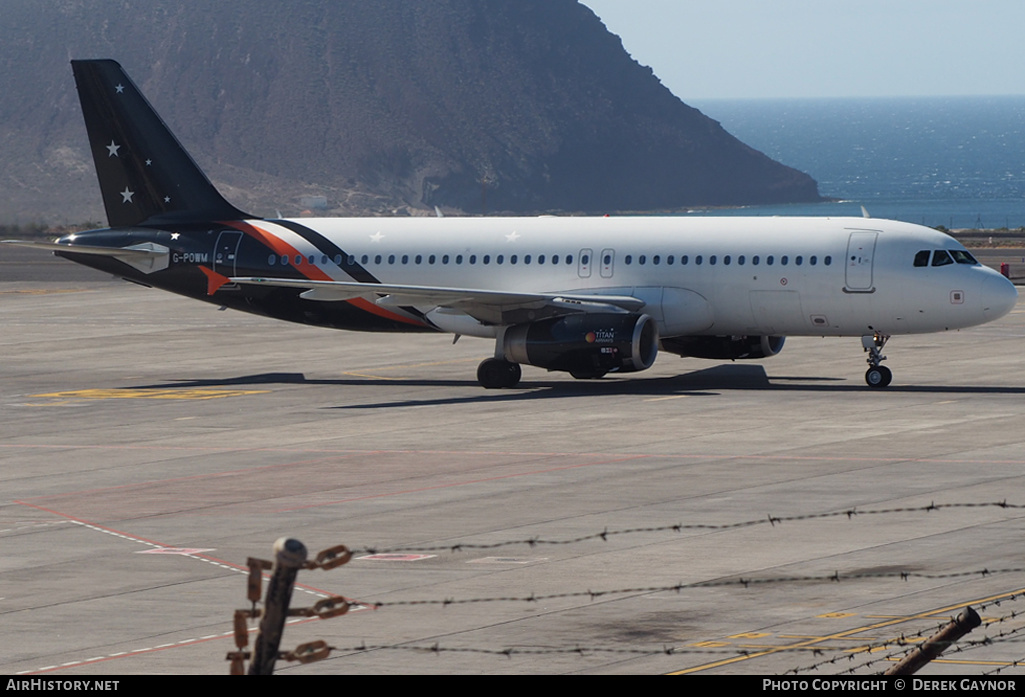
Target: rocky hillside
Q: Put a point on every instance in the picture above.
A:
(358, 107)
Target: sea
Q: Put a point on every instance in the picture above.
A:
(952, 162)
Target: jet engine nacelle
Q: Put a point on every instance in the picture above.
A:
(731, 348)
(585, 345)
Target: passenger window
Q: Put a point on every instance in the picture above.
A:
(272, 260)
(941, 258)
(922, 258)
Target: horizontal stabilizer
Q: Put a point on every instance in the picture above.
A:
(137, 251)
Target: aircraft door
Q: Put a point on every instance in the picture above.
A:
(584, 262)
(226, 252)
(608, 259)
(860, 251)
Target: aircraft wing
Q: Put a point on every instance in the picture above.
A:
(487, 306)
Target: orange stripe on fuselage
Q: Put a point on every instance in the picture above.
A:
(315, 273)
(282, 248)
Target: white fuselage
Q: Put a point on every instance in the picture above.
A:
(698, 275)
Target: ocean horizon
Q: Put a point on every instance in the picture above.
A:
(955, 162)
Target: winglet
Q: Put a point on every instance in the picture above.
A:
(214, 280)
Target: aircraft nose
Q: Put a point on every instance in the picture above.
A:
(999, 296)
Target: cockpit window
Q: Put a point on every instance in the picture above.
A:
(941, 258)
(922, 258)
(963, 257)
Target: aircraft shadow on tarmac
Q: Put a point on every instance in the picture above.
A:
(710, 382)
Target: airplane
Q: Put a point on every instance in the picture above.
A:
(583, 295)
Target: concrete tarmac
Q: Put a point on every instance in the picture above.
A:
(701, 517)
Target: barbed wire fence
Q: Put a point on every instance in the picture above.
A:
(850, 658)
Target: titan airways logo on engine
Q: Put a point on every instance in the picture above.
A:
(600, 336)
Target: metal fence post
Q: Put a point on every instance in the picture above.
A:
(289, 557)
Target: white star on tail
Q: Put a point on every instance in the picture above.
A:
(126, 195)
(112, 149)
(120, 89)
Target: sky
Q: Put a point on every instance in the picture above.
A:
(754, 49)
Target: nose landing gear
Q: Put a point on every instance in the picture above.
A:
(877, 376)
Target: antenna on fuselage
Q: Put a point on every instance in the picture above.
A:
(864, 212)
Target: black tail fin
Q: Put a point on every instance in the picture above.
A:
(145, 174)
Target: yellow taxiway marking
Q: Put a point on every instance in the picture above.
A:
(407, 366)
(40, 291)
(847, 633)
(663, 399)
(128, 393)
(370, 377)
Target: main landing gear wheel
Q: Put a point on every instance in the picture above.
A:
(877, 376)
(495, 374)
(880, 376)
